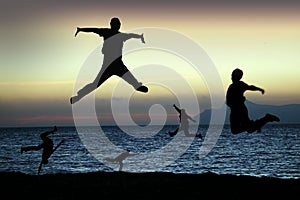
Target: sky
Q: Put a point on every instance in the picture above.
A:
(40, 58)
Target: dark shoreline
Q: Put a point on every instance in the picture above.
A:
(97, 185)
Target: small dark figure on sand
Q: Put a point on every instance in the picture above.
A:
(184, 123)
(112, 61)
(235, 100)
(47, 147)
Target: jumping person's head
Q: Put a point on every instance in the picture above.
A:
(236, 75)
(115, 24)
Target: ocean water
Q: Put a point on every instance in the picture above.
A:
(275, 152)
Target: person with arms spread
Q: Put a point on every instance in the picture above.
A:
(112, 61)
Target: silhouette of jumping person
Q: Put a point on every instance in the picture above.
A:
(235, 100)
(47, 147)
(184, 123)
(120, 158)
(112, 61)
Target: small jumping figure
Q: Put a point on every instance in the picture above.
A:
(47, 147)
(112, 61)
(120, 158)
(184, 123)
(235, 100)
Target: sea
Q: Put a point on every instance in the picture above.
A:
(274, 152)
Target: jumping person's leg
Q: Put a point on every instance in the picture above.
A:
(187, 133)
(128, 77)
(239, 119)
(173, 133)
(121, 166)
(30, 148)
(101, 78)
(258, 124)
(272, 118)
(118, 68)
(110, 159)
(125, 74)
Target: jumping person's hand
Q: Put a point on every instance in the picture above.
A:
(77, 31)
(142, 38)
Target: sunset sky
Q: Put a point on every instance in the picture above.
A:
(40, 58)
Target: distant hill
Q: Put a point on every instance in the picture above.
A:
(289, 114)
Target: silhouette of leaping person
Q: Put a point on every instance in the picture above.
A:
(47, 147)
(235, 100)
(184, 123)
(112, 61)
(120, 158)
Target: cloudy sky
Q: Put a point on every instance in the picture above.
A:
(40, 58)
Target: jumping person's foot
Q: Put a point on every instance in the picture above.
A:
(142, 89)
(74, 99)
(272, 118)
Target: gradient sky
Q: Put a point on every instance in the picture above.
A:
(40, 59)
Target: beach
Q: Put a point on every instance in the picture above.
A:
(16, 185)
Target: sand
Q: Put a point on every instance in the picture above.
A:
(104, 185)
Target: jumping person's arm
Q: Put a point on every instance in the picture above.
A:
(87, 30)
(178, 109)
(58, 145)
(254, 88)
(191, 119)
(137, 36)
(31, 148)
